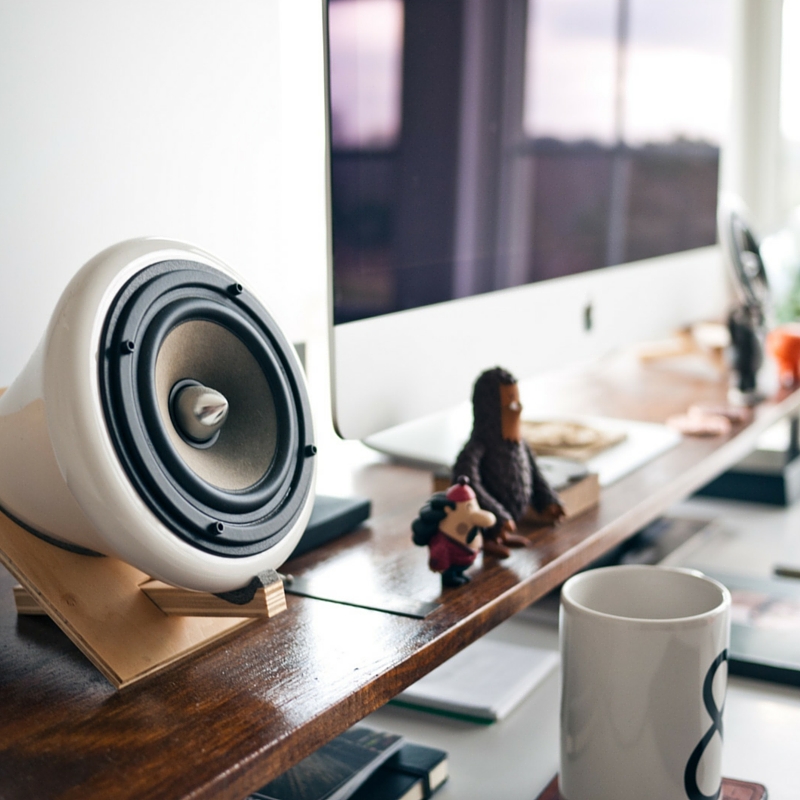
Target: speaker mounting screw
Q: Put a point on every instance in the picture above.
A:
(216, 528)
(236, 288)
(311, 450)
(128, 346)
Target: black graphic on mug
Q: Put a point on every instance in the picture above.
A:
(690, 775)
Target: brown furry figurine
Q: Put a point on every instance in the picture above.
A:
(500, 465)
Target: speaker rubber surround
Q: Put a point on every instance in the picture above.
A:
(234, 523)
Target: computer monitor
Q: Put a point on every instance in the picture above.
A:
(528, 183)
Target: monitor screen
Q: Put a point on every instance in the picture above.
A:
(479, 145)
(536, 180)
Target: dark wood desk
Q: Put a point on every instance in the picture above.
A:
(229, 720)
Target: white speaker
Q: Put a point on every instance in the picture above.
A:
(163, 420)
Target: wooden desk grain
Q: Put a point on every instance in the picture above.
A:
(231, 719)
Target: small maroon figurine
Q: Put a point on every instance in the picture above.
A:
(499, 464)
(450, 524)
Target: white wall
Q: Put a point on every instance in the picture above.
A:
(201, 120)
(753, 158)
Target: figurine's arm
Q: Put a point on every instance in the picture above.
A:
(469, 463)
(543, 495)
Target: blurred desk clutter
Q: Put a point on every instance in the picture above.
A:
(569, 438)
(701, 347)
(769, 474)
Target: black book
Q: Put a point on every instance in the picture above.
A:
(385, 784)
(336, 770)
(414, 772)
(427, 763)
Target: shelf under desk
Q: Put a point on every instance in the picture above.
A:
(229, 720)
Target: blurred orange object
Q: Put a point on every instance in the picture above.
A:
(783, 344)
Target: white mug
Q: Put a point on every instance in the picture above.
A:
(644, 669)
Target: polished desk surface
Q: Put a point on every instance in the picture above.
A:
(516, 759)
(228, 720)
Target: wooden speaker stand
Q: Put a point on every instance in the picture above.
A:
(127, 625)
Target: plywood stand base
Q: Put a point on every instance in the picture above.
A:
(109, 608)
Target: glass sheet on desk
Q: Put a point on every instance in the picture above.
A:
(356, 596)
(765, 627)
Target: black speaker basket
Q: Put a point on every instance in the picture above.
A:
(230, 522)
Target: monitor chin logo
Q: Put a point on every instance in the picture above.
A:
(690, 775)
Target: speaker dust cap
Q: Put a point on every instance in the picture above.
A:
(206, 408)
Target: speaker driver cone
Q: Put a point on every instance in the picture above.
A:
(200, 354)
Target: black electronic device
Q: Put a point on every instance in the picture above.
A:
(748, 320)
(332, 517)
(742, 251)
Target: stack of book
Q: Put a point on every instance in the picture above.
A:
(483, 683)
(362, 764)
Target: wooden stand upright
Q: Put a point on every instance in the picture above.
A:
(128, 625)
